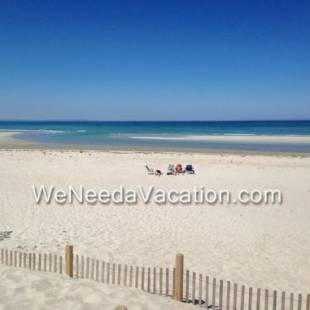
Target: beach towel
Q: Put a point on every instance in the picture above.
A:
(189, 169)
(179, 168)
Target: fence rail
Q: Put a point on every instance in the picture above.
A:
(187, 286)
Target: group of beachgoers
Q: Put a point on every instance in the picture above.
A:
(172, 170)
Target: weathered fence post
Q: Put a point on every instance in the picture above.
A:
(179, 270)
(69, 260)
(121, 307)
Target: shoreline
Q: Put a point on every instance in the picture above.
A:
(10, 141)
(291, 139)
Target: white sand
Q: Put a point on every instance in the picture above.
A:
(233, 138)
(262, 246)
(22, 289)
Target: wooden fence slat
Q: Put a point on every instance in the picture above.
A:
(39, 262)
(29, 260)
(45, 262)
(299, 301)
(102, 271)
(137, 278)
(11, 258)
(7, 257)
(154, 280)
(173, 282)
(50, 263)
(92, 270)
(25, 260)
(266, 299)
(82, 267)
(250, 298)
(131, 276)
(242, 297)
(258, 299)
(34, 258)
(76, 266)
(119, 273)
(200, 289)
(14, 258)
(167, 281)
(142, 279)
(193, 288)
(213, 293)
(207, 292)
(2, 256)
(235, 296)
(125, 276)
(108, 273)
(113, 273)
(187, 285)
(283, 301)
(55, 263)
(228, 296)
(60, 264)
(20, 259)
(87, 268)
(291, 301)
(161, 281)
(221, 294)
(97, 270)
(148, 280)
(274, 303)
(308, 302)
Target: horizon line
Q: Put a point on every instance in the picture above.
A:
(150, 121)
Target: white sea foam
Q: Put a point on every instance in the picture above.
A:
(48, 131)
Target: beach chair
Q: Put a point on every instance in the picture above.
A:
(149, 170)
(179, 169)
(158, 172)
(189, 169)
(171, 170)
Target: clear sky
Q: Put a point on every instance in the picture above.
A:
(154, 60)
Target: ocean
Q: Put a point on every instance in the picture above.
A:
(183, 135)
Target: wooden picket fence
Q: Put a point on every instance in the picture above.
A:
(182, 285)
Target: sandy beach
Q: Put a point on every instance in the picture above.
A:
(22, 289)
(154, 155)
(244, 244)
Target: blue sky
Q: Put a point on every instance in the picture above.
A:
(154, 60)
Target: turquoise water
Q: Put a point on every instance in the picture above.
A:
(160, 135)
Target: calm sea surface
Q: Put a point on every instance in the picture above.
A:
(161, 135)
